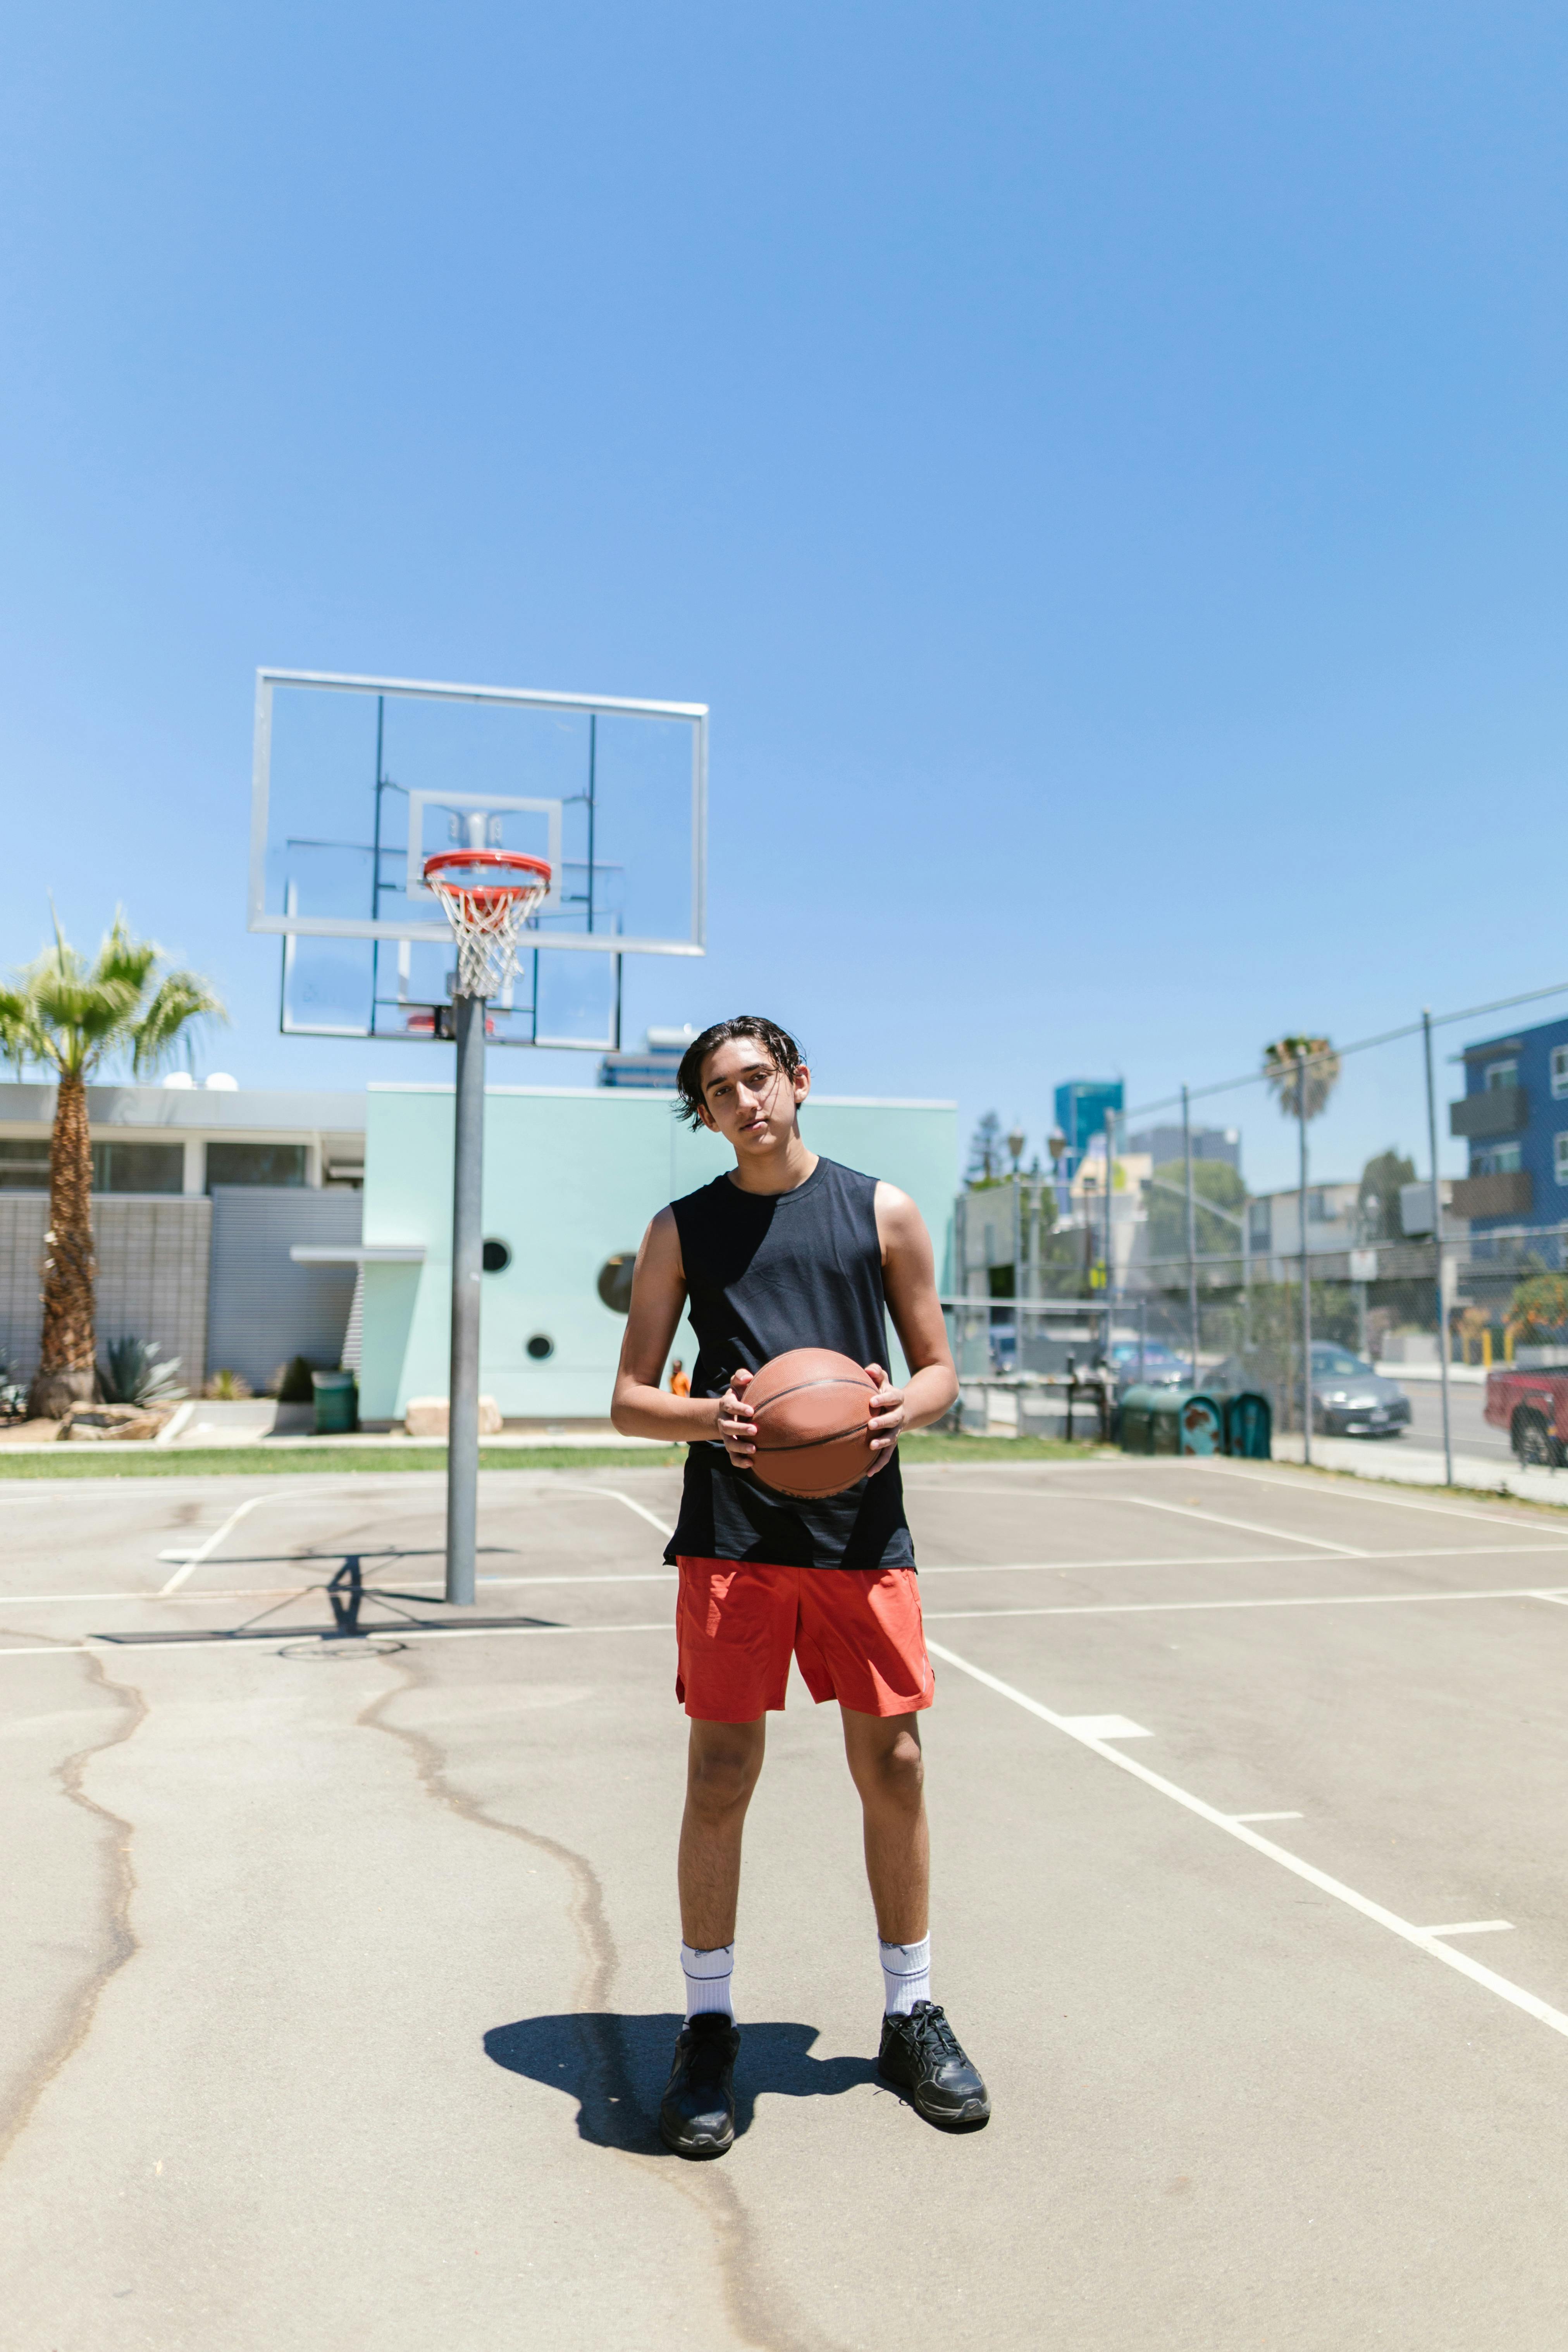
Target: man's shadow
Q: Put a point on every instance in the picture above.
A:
(615, 2067)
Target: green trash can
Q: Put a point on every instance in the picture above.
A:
(1136, 1419)
(1249, 1427)
(337, 1403)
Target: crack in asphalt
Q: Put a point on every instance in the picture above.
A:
(120, 1939)
(758, 2305)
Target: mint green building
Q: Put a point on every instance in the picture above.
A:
(572, 1178)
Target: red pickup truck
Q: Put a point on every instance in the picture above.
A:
(1532, 1406)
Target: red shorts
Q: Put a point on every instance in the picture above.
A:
(856, 1632)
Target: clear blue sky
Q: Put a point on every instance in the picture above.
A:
(1104, 466)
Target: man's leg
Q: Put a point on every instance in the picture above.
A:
(722, 1762)
(697, 2115)
(888, 1770)
(919, 2054)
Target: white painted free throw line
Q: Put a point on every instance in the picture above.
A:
(1424, 1939)
(1475, 1928)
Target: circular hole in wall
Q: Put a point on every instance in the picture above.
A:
(615, 1285)
(541, 1345)
(496, 1256)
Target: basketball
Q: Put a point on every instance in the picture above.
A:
(812, 1411)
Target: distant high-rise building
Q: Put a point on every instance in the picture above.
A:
(1081, 1104)
(1164, 1144)
(655, 1066)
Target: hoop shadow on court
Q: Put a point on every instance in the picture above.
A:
(615, 2067)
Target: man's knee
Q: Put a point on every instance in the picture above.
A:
(720, 1776)
(896, 1774)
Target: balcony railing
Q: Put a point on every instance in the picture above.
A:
(1500, 1111)
(1509, 1195)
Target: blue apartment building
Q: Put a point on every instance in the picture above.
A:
(1514, 1116)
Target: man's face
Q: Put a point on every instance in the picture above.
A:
(748, 1099)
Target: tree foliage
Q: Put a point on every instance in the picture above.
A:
(1377, 1199)
(1213, 1180)
(1302, 1072)
(71, 1015)
(1540, 1304)
(985, 1151)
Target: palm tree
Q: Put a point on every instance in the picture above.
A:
(1302, 1072)
(74, 1015)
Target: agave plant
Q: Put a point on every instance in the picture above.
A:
(134, 1374)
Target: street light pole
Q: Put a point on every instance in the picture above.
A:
(1306, 1271)
(1192, 1236)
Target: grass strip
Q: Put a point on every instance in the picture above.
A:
(102, 1461)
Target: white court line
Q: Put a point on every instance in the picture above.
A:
(1475, 1928)
(222, 1598)
(198, 1558)
(941, 1568)
(1422, 1939)
(1290, 1601)
(99, 1648)
(616, 1495)
(1360, 1490)
(1293, 1817)
(1248, 1527)
(932, 1616)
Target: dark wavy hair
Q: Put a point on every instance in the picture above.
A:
(777, 1041)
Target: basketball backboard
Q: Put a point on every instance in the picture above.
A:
(358, 780)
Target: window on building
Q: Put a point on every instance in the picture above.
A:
(138, 1167)
(1501, 1074)
(23, 1167)
(1258, 1226)
(1497, 1160)
(1320, 1209)
(1560, 1157)
(255, 1163)
(1559, 1070)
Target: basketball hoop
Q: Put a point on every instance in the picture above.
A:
(486, 896)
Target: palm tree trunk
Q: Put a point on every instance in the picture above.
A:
(66, 1374)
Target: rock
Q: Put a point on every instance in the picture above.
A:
(93, 1424)
(426, 1417)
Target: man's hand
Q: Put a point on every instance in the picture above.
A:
(737, 1430)
(887, 1410)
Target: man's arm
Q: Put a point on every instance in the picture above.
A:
(640, 1407)
(909, 1279)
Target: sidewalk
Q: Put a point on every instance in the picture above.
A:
(1400, 1463)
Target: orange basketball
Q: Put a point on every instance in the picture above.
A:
(812, 1411)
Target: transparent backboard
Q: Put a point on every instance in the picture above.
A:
(357, 781)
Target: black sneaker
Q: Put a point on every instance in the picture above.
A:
(696, 2115)
(921, 2057)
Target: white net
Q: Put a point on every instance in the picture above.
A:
(486, 920)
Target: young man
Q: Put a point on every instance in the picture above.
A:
(789, 1250)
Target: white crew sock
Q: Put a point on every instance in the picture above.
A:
(708, 1978)
(906, 1975)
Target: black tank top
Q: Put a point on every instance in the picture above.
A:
(766, 1272)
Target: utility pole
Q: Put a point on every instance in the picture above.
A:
(1438, 1247)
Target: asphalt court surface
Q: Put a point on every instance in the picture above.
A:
(337, 1981)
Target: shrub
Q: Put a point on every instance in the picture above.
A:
(295, 1388)
(228, 1386)
(131, 1373)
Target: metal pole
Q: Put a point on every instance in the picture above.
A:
(1192, 1235)
(1110, 1231)
(1437, 1248)
(1306, 1277)
(468, 1266)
